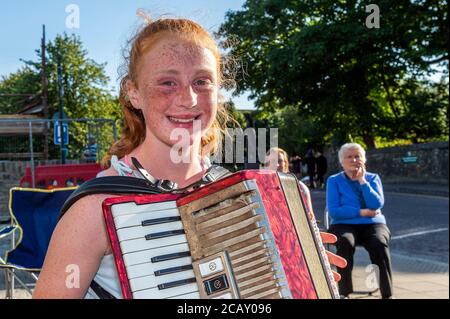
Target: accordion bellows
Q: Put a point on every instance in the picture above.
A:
(245, 236)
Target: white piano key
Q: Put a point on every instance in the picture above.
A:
(153, 281)
(192, 295)
(132, 208)
(155, 293)
(145, 256)
(139, 244)
(136, 219)
(149, 268)
(141, 231)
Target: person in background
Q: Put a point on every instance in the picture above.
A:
(310, 162)
(321, 166)
(354, 202)
(277, 159)
(296, 162)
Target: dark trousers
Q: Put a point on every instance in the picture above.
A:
(375, 239)
(320, 178)
(311, 179)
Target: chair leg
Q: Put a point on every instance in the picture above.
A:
(13, 282)
(8, 283)
(15, 277)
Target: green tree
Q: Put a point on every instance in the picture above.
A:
(14, 86)
(427, 114)
(237, 119)
(320, 57)
(84, 83)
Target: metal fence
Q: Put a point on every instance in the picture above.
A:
(86, 140)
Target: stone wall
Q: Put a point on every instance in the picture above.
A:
(416, 163)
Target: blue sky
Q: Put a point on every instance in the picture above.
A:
(104, 27)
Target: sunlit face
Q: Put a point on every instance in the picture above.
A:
(276, 161)
(176, 87)
(353, 160)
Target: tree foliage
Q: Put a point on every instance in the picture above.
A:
(84, 87)
(320, 58)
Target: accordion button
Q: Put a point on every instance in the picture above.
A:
(216, 284)
(210, 267)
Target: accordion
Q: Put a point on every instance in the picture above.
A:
(245, 236)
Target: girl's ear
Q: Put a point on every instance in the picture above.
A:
(133, 94)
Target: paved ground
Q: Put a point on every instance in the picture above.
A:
(413, 278)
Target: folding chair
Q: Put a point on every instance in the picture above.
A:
(34, 214)
(326, 224)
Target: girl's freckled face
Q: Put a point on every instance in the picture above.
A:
(177, 85)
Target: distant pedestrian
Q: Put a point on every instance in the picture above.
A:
(310, 162)
(296, 162)
(321, 167)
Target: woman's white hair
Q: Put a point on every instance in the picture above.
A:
(351, 146)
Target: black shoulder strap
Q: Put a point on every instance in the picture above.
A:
(133, 185)
(109, 185)
(100, 291)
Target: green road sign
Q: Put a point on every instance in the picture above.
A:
(409, 159)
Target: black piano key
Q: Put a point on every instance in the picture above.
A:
(162, 220)
(172, 270)
(170, 256)
(164, 234)
(176, 283)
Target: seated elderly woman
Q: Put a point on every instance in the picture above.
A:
(354, 201)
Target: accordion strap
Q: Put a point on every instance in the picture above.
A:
(133, 185)
(109, 185)
(100, 291)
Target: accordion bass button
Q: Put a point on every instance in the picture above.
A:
(211, 267)
(216, 284)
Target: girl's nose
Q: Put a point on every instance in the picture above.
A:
(187, 97)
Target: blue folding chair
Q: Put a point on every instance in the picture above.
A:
(34, 214)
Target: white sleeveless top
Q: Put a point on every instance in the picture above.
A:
(107, 276)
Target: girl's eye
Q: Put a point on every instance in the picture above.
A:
(202, 82)
(169, 83)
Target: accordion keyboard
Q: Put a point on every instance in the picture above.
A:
(155, 250)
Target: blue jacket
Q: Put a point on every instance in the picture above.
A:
(343, 202)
